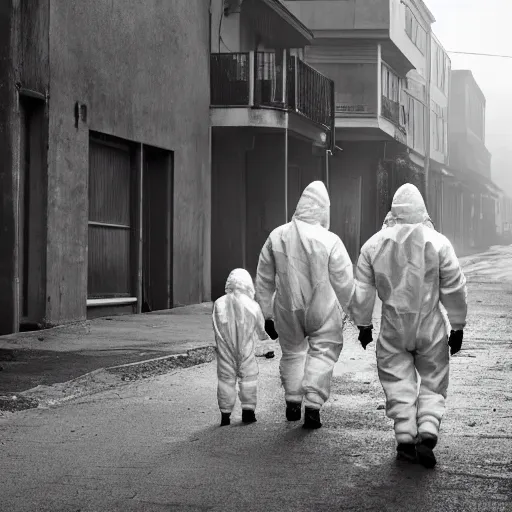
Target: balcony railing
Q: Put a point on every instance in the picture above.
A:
(267, 79)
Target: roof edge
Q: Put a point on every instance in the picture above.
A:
(285, 13)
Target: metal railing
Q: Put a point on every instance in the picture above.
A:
(267, 79)
(268, 86)
(314, 92)
(229, 79)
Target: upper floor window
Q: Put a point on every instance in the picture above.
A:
(440, 68)
(390, 84)
(439, 128)
(415, 31)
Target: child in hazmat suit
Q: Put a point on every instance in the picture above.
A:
(238, 324)
(415, 272)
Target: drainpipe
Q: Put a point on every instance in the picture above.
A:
(428, 115)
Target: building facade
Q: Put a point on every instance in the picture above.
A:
(440, 73)
(272, 119)
(104, 141)
(379, 56)
(471, 198)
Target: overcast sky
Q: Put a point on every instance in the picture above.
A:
(484, 27)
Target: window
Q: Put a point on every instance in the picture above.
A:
(440, 67)
(439, 128)
(390, 84)
(415, 124)
(390, 94)
(417, 34)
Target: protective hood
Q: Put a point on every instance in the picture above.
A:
(239, 280)
(314, 205)
(408, 206)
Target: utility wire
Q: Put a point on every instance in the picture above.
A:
(484, 54)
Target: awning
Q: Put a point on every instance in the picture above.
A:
(444, 172)
(493, 191)
(276, 24)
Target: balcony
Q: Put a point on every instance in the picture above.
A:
(367, 108)
(275, 83)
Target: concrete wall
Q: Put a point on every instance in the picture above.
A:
(466, 149)
(266, 192)
(305, 165)
(9, 158)
(358, 159)
(229, 147)
(355, 84)
(248, 197)
(249, 169)
(320, 15)
(440, 97)
(143, 74)
(401, 39)
(225, 30)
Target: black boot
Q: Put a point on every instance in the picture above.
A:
(225, 419)
(425, 451)
(311, 418)
(293, 411)
(248, 416)
(406, 452)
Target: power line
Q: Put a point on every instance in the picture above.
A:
(484, 54)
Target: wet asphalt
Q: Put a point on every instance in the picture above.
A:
(156, 445)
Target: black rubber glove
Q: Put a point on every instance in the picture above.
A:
(270, 329)
(365, 335)
(455, 341)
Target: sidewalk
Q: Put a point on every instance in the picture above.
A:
(151, 343)
(61, 354)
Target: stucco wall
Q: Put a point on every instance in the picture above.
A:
(226, 30)
(142, 70)
(9, 156)
(401, 39)
(355, 84)
(341, 14)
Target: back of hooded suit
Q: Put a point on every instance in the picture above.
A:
(311, 274)
(413, 269)
(238, 323)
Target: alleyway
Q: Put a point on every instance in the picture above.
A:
(155, 445)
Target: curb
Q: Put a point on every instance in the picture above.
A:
(161, 365)
(103, 379)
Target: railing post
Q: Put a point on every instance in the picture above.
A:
(285, 74)
(333, 117)
(252, 78)
(296, 81)
(379, 80)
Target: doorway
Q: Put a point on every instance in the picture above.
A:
(346, 211)
(157, 230)
(32, 213)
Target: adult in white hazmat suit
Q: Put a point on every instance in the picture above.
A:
(238, 324)
(311, 274)
(414, 270)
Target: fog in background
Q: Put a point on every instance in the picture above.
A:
(484, 27)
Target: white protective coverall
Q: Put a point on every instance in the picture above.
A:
(238, 323)
(310, 270)
(414, 270)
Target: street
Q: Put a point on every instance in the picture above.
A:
(155, 444)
